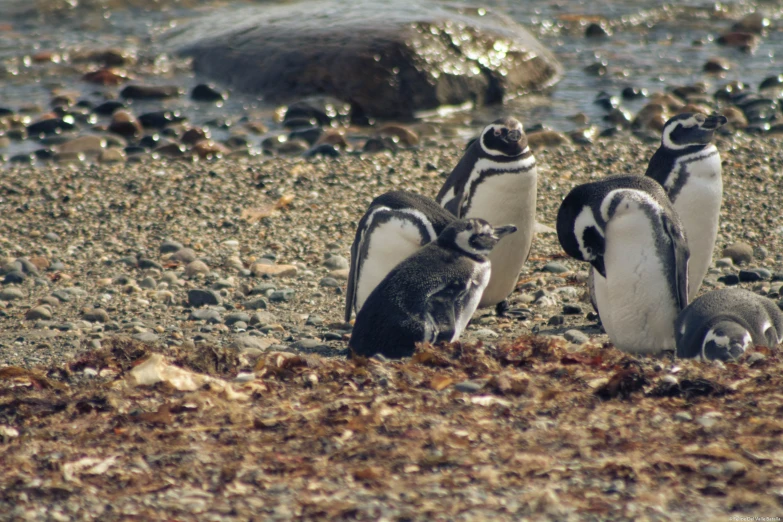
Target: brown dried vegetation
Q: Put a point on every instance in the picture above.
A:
(548, 434)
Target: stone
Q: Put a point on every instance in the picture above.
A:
(470, 386)
(729, 279)
(739, 252)
(209, 315)
(112, 156)
(486, 334)
(184, 255)
(196, 267)
(556, 320)
(95, 315)
(146, 337)
(371, 48)
(42, 312)
(11, 294)
(683, 416)
(198, 297)
(284, 294)
(335, 262)
(341, 274)
(15, 277)
(716, 65)
(262, 319)
(314, 320)
(207, 93)
(576, 336)
(243, 343)
(555, 268)
(256, 304)
(237, 317)
(724, 262)
(150, 92)
(330, 282)
(262, 269)
(571, 309)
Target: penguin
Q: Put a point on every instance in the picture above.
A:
(722, 324)
(496, 180)
(627, 229)
(431, 295)
(395, 226)
(688, 166)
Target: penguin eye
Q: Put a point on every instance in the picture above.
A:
(497, 132)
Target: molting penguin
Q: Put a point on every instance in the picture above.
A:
(431, 295)
(688, 166)
(496, 180)
(395, 226)
(722, 324)
(627, 229)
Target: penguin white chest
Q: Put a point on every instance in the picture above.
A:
(475, 289)
(506, 199)
(388, 245)
(698, 206)
(636, 301)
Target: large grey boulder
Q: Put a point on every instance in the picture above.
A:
(387, 59)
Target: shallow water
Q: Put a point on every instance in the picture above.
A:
(651, 46)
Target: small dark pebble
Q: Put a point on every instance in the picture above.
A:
(330, 282)
(324, 149)
(169, 246)
(634, 93)
(754, 274)
(332, 336)
(570, 309)
(27, 159)
(145, 263)
(596, 30)
(14, 277)
(284, 294)
(237, 317)
(314, 320)
(44, 154)
(160, 119)
(556, 320)
(207, 93)
(150, 92)
(308, 134)
(198, 297)
(256, 304)
(607, 101)
(729, 279)
(107, 108)
(50, 126)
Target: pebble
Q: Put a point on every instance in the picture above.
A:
(95, 315)
(11, 294)
(207, 93)
(196, 267)
(263, 269)
(210, 315)
(470, 386)
(146, 337)
(150, 92)
(335, 262)
(486, 334)
(330, 282)
(596, 30)
(284, 294)
(683, 416)
(341, 274)
(42, 312)
(740, 253)
(556, 320)
(198, 297)
(183, 255)
(14, 277)
(309, 344)
(237, 317)
(729, 279)
(724, 262)
(255, 304)
(576, 336)
(755, 274)
(570, 309)
(555, 268)
(262, 319)
(314, 320)
(251, 343)
(112, 156)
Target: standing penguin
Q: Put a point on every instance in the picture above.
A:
(688, 166)
(395, 226)
(722, 324)
(496, 180)
(627, 229)
(431, 295)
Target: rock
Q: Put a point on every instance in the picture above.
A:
(210, 149)
(760, 252)
(746, 42)
(284, 294)
(754, 23)
(262, 319)
(14, 277)
(184, 255)
(42, 312)
(11, 294)
(546, 139)
(740, 253)
(633, 93)
(210, 315)
(571, 309)
(341, 274)
(150, 92)
(194, 135)
(108, 108)
(729, 279)
(324, 149)
(335, 262)
(754, 274)
(198, 297)
(555, 268)
(330, 282)
(160, 119)
(373, 55)
(716, 65)
(146, 337)
(314, 320)
(196, 267)
(169, 246)
(485, 334)
(90, 144)
(596, 30)
(724, 262)
(207, 93)
(112, 156)
(683, 416)
(400, 134)
(309, 344)
(576, 336)
(244, 343)
(124, 124)
(237, 317)
(95, 315)
(261, 269)
(470, 386)
(556, 320)
(255, 304)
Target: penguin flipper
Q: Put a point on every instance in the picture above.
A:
(681, 254)
(353, 271)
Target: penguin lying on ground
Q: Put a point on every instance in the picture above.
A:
(688, 166)
(722, 324)
(431, 295)
(496, 180)
(627, 229)
(396, 225)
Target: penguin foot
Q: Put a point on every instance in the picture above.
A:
(501, 308)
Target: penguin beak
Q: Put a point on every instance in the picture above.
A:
(598, 263)
(500, 232)
(714, 121)
(513, 136)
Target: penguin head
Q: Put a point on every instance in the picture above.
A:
(473, 236)
(690, 129)
(725, 341)
(579, 233)
(503, 137)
